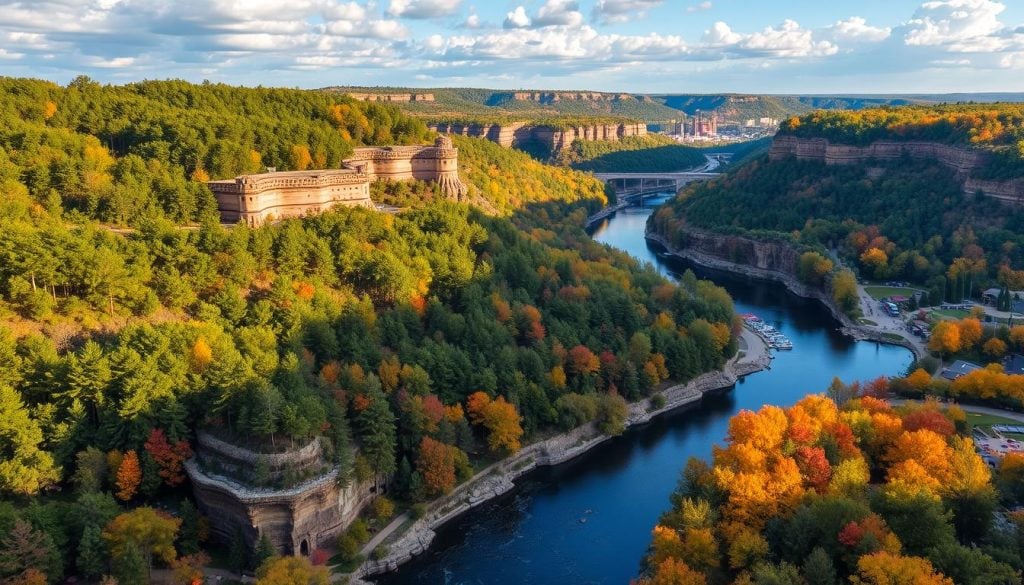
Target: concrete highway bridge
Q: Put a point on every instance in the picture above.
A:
(639, 184)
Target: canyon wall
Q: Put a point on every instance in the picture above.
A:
(393, 97)
(552, 97)
(962, 161)
(517, 134)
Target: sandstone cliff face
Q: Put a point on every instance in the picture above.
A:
(393, 97)
(551, 97)
(760, 254)
(556, 139)
(962, 161)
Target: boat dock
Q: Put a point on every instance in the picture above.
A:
(771, 336)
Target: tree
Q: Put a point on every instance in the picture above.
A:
(146, 530)
(919, 380)
(92, 554)
(970, 332)
(129, 476)
(376, 425)
(844, 291)
(883, 568)
(674, 572)
(818, 568)
(291, 571)
(436, 465)
(995, 348)
(24, 467)
(945, 338)
(24, 549)
(264, 550)
(188, 570)
(90, 470)
(129, 566)
(168, 458)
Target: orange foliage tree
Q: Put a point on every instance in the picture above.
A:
(129, 476)
(436, 464)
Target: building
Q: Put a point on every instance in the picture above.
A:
(704, 125)
(292, 497)
(259, 198)
(1014, 365)
(959, 368)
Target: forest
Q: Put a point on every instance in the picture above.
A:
(417, 345)
(906, 220)
(651, 153)
(842, 488)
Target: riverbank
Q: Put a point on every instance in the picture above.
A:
(848, 326)
(499, 478)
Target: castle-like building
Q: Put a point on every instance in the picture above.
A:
(255, 199)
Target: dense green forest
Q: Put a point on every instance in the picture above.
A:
(124, 154)
(905, 220)
(427, 340)
(651, 153)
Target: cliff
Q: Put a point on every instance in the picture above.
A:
(962, 161)
(553, 97)
(554, 138)
(393, 97)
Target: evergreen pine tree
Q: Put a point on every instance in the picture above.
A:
(130, 567)
(92, 553)
(264, 550)
(377, 431)
(151, 479)
(188, 535)
(818, 568)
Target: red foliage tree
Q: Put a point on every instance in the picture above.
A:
(932, 420)
(168, 457)
(814, 466)
(436, 463)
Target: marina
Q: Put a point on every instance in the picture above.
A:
(772, 336)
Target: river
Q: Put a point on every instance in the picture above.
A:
(589, 520)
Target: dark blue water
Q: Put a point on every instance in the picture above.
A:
(535, 534)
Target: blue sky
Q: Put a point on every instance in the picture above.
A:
(682, 46)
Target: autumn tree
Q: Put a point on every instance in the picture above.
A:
(970, 332)
(436, 465)
(24, 550)
(883, 568)
(129, 476)
(499, 418)
(169, 458)
(150, 532)
(945, 338)
(290, 570)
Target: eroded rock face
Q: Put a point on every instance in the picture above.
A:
(761, 254)
(517, 134)
(962, 161)
(298, 517)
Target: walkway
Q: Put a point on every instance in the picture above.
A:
(383, 534)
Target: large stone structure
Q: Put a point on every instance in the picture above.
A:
(552, 137)
(233, 487)
(962, 161)
(255, 199)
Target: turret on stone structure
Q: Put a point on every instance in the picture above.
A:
(292, 497)
(255, 199)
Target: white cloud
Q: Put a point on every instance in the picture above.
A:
(789, 40)
(423, 8)
(559, 12)
(517, 18)
(699, 7)
(720, 34)
(857, 29)
(611, 11)
(960, 25)
(472, 21)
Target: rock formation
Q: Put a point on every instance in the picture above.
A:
(554, 138)
(255, 199)
(393, 97)
(962, 161)
(292, 497)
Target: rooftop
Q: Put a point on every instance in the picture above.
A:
(959, 368)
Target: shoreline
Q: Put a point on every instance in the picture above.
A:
(848, 327)
(498, 478)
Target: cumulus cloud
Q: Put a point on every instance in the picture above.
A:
(423, 8)
(559, 13)
(960, 25)
(612, 11)
(857, 29)
(517, 18)
(699, 7)
(787, 40)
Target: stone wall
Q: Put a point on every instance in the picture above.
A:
(555, 139)
(256, 199)
(962, 161)
(297, 519)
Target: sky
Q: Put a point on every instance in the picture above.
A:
(641, 46)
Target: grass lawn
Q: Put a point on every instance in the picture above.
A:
(951, 313)
(880, 292)
(985, 422)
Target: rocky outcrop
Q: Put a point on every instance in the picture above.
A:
(554, 138)
(553, 97)
(393, 97)
(962, 161)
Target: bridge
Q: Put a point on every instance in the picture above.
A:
(633, 184)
